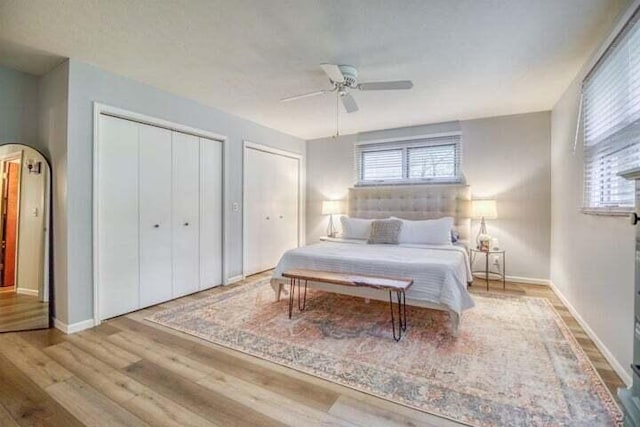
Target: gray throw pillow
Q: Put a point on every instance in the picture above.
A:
(385, 231)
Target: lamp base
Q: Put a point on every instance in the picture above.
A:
(482, 231)
(331, 230)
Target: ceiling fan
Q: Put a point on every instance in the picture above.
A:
(345, 78)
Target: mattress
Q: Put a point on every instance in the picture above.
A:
(440, 273)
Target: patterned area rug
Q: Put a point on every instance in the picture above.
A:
(514, 363)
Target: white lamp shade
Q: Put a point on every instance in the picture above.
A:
(330, 207)
(484, 209)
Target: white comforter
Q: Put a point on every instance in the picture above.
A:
(440, 273)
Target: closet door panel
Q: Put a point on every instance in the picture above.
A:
(155, 215)
(210, 213)
(271, 233)
(257, 173)
(271, 222)
(117, 174)
(186, 201)
(288, 203)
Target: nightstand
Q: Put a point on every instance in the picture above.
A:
(487, 270)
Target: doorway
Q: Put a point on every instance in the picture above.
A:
(24, 238)
(11, 172)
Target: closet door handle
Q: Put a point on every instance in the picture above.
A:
(156, 226)
(186, 224)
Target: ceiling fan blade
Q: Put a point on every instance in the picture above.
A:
(349, 103)
(395, 85)
(304, 95)
(333, 71)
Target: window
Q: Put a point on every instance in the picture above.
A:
(611, 110)
(422, 160)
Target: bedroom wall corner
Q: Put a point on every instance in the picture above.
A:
(53, 90)
(592, 256)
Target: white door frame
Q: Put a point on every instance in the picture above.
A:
(248, 145)
(98, 109)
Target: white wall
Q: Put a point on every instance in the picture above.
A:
(592, 257)
(88, 84)
(508, 158)
(503, 157)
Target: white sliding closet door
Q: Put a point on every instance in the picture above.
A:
(285, 205)
(210, 213)
(155, 215)
(117, 213)
(257, 210)
(158, 214)
(271, 204)
(186, 212)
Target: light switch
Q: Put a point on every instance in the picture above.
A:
(35, 212)
(235, 207)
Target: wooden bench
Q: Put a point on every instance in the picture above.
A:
(395, 285)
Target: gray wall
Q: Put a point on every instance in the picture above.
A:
(18, 107)
(52, 131)
(506, 158)
(592, 257)
(88, 84)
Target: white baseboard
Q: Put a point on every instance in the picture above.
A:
(528, 280)
(234, 279)
(23, 291)
(74, 327)
(626, 377)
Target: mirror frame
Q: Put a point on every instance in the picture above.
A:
(48, 240)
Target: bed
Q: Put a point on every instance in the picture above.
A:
(441, 273)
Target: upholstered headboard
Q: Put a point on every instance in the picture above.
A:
(414, 202)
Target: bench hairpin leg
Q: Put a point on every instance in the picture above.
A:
(393, 321)
(291, 290)
(302, 306)
(402, 309)
(402, 314)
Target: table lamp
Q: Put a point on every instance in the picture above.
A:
(483, 209)
(331, 207)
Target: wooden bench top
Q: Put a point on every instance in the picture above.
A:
(348, 279)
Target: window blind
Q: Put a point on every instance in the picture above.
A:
(435, 159)
(611, 114)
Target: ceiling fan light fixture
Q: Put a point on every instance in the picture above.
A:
(343, 79)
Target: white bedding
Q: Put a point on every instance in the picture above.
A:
(440, 273)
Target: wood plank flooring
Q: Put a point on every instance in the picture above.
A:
(131, 372)
(20, 312)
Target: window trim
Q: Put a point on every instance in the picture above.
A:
(405, 144)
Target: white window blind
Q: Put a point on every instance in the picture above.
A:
(422, 160)
(611, 111)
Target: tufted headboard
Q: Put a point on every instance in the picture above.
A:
(414, 202)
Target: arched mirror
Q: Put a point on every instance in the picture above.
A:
(25, 291)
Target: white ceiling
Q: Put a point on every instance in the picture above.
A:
(467, 58)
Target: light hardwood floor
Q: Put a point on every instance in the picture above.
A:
(131, 372)
(21, 312)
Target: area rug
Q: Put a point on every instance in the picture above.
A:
(514, 363)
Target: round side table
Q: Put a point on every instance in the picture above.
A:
(487, 270)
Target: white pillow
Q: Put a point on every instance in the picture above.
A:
(355, 228)
(426, 232)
